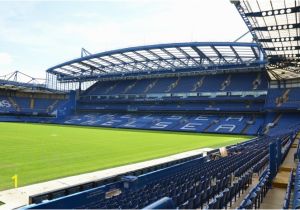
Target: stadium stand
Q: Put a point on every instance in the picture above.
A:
(223, 102)
(188, 94)
(16, 102)
(189, 185)
(234, 124)
(6, 105)
(283, 99)
(185, 84)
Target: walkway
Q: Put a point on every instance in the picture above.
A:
(275, 197)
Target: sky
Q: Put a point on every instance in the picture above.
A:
(36, 35)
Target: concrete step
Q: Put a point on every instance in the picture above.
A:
(274, 199)
(286, 168)
(281, 180)
(294, 145)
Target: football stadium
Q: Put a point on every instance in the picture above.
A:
(190, 125)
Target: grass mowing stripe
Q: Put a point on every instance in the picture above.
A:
(39, 152)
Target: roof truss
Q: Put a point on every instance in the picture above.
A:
(159, 58)
(275, 25)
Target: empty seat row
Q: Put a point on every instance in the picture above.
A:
(230, 194)
(208, 83)
(28, 105)
(196, 187)
(287, 197)
(257, 193)
(296, 200)
(213, 182)
(176, 122)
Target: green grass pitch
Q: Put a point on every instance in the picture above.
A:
(38, 153)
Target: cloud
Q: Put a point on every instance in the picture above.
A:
(5, 58)
(40, 30)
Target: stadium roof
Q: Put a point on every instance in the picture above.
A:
(22, 82)
(161, 58)
(275, 25)
(20, 79)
